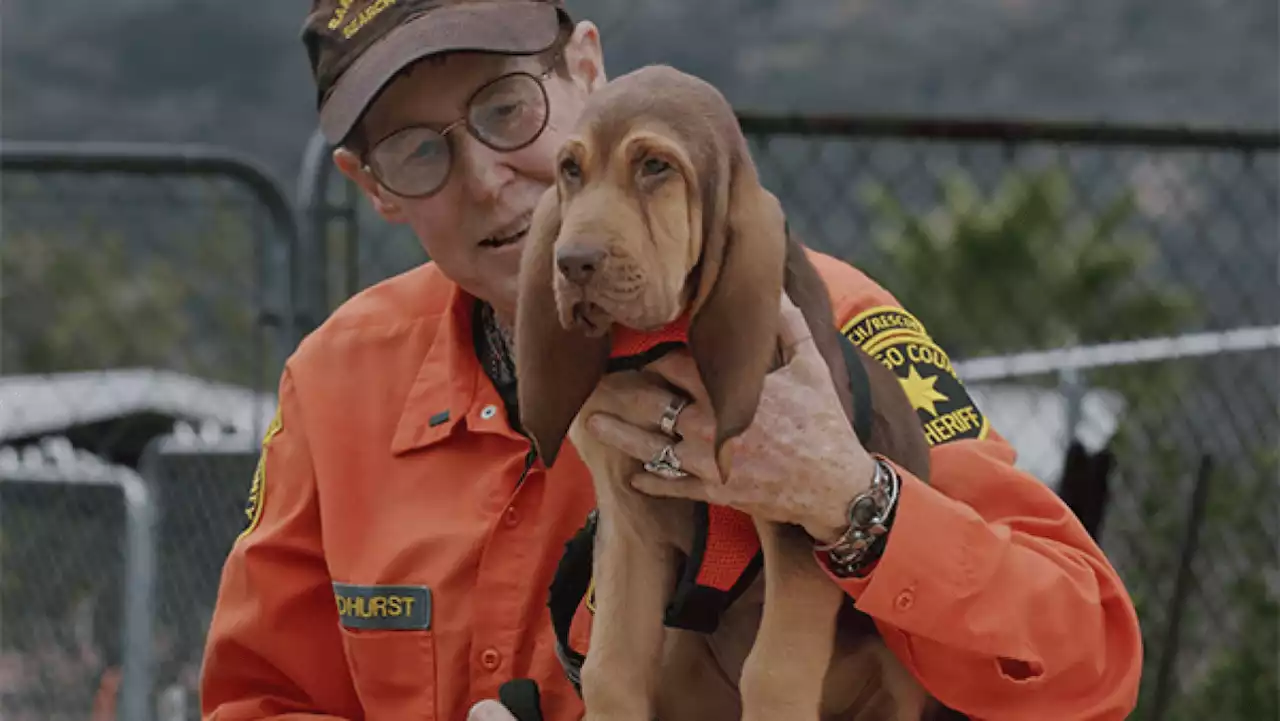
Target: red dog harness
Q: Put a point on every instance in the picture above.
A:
(726, 555)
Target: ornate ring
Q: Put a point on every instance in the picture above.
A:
(670, 414)
(665, 464)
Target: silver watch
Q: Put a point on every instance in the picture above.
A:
(869, 515)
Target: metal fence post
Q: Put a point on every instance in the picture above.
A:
(140, 577)
(1178, 602)
(1071, 386)
(310, 272)
(315, 178)
(134, 700)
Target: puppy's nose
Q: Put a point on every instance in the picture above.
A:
(579, 262)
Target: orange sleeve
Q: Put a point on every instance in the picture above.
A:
(274, 648)
(989, 588)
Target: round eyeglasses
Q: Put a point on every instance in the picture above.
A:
(506, 114)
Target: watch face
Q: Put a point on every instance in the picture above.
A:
(863, 511)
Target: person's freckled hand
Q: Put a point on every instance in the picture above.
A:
(799, 462)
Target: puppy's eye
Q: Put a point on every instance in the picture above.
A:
(570, 170)
(654, 166)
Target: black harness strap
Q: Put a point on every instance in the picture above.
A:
(642, 359)
(692, 607)
(568, 588)
(860, 385)
(695, 607)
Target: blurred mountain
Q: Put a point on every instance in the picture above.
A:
(233, 72)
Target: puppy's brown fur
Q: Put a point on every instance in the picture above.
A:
(658, 193)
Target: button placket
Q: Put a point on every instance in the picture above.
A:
(498, 596)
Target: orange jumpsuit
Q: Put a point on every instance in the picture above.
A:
(400, 545)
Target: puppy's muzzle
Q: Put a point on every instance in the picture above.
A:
(579, 262)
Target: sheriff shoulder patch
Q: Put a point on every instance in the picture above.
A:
(253, 507)
(899, 340)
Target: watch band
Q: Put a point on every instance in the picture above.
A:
(870, 517)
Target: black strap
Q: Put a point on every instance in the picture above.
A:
(568, 588)
(860, 386)
(521, 697)
(640, 360)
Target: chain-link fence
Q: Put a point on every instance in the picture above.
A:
(1009, 239)
(196, 531)
(140, 287)
(143, 289)
(1012, 238)
(1178, 480)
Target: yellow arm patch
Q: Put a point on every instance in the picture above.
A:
(899, 340)
(253, 507)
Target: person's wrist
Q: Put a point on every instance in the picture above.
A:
(833, 520)
(868, 519)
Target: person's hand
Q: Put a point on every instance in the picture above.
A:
(799, 462)
(490, 710)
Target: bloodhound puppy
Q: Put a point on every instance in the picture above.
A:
(657, 215)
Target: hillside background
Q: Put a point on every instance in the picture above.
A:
(233, 72)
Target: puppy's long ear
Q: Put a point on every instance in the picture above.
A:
(556, 369)
(733, 335)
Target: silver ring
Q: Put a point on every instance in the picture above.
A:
(665, 464)
(670, 414)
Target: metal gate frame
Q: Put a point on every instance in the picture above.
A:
(134, 700)
(191, 160)
(137, 487)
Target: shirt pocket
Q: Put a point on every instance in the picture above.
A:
(394, 673)
(390, 648)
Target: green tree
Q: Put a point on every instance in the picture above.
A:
(70, 310)
(89, 296)
(1023, 268)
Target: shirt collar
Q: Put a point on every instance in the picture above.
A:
(449, 383)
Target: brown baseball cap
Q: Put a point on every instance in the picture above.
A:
(357, 46)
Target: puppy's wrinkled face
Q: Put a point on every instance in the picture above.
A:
(630, 229)
(657, 214)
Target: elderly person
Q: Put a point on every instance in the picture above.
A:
(401, 536)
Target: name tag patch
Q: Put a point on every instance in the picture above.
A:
(383, 608)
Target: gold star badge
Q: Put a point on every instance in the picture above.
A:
(920, 391)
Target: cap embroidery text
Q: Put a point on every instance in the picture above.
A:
(359, 21)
